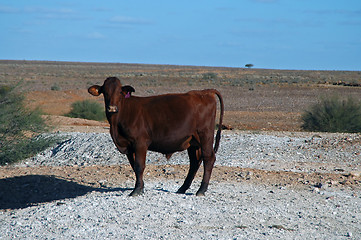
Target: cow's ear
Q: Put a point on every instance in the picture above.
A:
(95, 90)
(127, 91)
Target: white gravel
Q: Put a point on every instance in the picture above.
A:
(310, 152)
(229, 210)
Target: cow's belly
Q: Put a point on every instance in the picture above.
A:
(167, 146)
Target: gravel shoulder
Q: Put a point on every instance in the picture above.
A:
(266, 185)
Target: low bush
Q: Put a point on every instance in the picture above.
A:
(87, 109)
(20, 128)
(55, 87)
(209, 76)
(333, 114)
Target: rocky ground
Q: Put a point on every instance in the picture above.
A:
(274, 182)
(266, 185)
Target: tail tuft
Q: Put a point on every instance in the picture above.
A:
(218, 135)
(218, 138)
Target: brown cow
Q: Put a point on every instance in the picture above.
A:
(166, 124)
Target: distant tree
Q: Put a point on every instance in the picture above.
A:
(249, 65)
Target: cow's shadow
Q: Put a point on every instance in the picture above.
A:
(24, 191)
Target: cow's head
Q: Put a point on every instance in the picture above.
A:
(113, 92)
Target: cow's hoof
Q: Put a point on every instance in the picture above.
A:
(200, 194)
(181, 191)
(136, 192)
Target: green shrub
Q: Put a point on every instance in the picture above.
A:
(209, 76)
(87, 109)
(55, 87)
(333, 115)
(20, 128)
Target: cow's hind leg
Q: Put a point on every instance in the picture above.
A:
(195, 161)
(209, 157)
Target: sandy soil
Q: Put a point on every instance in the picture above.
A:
(45, 201)
(26, 185)
(37, 183)
(255, 99)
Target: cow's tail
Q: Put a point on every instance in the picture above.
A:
(218, 135)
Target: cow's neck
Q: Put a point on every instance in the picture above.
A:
(116, 120)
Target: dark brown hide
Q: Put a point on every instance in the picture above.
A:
(166, 124)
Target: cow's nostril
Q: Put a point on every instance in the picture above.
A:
(112, 109)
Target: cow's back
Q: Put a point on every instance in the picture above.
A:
(174, 118)
(175, 110)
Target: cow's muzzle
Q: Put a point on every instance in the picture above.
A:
(112, 109)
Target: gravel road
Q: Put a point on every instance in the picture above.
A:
(230, 210)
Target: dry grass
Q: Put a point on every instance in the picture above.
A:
(254, 98)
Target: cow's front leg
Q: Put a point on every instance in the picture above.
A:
(139, 166)
(131, 158)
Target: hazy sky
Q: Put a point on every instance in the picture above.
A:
(280, 34)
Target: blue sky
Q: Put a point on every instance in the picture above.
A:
(276, 34)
